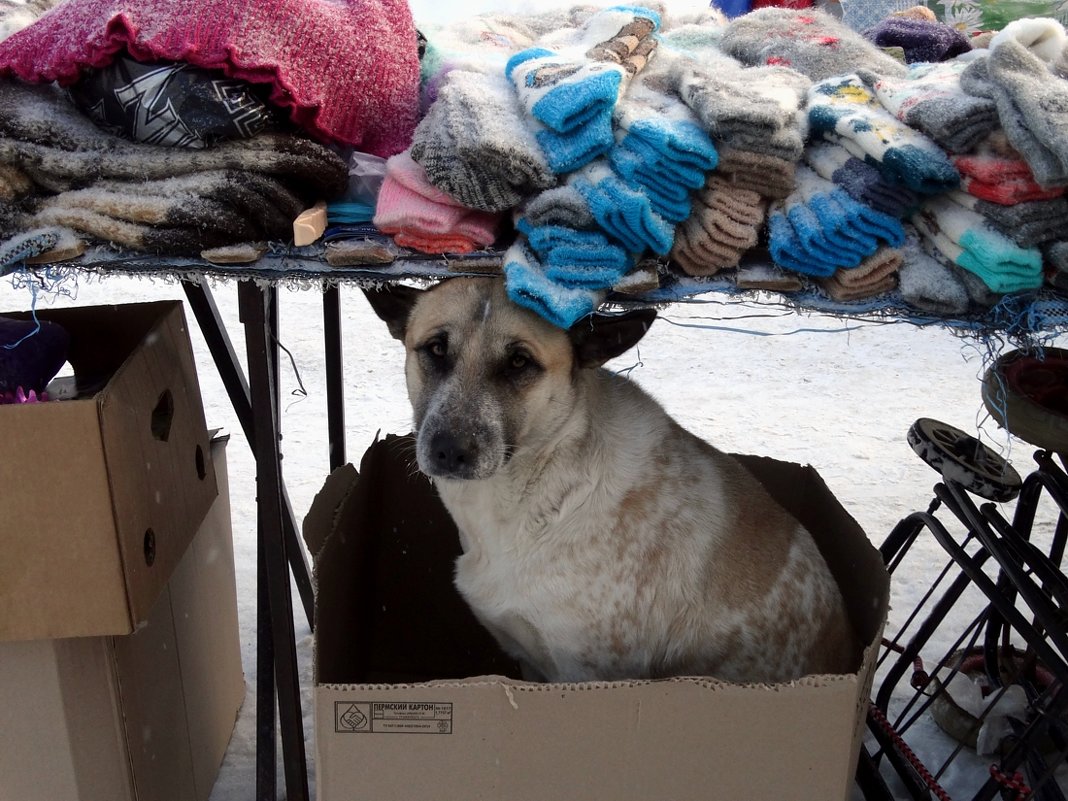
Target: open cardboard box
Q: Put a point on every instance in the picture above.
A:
(141, 717)
(413, 698)
(103, 492)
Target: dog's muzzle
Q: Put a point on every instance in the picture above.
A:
(447, 454)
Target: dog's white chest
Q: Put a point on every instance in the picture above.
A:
(557, 595)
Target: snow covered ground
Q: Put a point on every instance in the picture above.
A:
(837, 394)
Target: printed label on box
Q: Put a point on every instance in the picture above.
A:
(392, 717)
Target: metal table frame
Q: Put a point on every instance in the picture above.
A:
(256, 402)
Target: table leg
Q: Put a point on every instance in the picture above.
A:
(202, 302)
(255, 310)
(335, 379)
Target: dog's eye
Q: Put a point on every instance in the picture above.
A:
(437, 348)
(518, 360)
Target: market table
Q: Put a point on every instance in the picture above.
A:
(256, 402)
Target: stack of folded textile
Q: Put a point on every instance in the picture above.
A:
(347, 75)
(68, 172)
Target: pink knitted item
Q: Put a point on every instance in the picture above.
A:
(422, 217)
(398, 208)
(347, 70)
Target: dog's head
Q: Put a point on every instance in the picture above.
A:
(487, 378)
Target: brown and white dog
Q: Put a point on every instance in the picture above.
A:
(601, 539)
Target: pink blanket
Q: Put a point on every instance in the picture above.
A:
(348, 70)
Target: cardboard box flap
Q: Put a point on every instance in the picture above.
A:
(320, 521)
(153, 419)
(106, 487)
(385, 576)
(661, 741)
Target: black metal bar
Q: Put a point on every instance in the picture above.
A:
(202, 302)
(266, 726)
(870, 781)
(335, 377)
(253, 305)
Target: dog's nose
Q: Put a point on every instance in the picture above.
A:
(450, 455)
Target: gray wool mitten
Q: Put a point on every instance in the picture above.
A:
(474, 145)
(1032, 104)
(811, 41)
(926, 283)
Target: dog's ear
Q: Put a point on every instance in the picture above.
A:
(600, 337)
(393, 304)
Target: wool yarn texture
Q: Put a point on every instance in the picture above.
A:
(58, 148)
(624, 213)
(931, 100)
(1030, 96)
(577, 258)
(812, 42)
(175, 216)
(860, 180)
(874, 276)
(965, 237)
(725, 224)
(660, 145)
(927, 284)
(1028, 223)
(528, 286)
(846, 107)
(569, 91)
(474, 145)
(921, 40)
(422, 217)
(749, 108)
(769, 176)
(346, 70)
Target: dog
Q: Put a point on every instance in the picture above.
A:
(601, 540)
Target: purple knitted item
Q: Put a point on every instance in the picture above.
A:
(30, 358)
(921, 40)
(347, 70)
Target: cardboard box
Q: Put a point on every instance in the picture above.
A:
(103, 493)
(146, 716)
(413, 699)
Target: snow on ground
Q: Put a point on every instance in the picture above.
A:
(837, 394)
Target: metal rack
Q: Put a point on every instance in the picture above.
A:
(994, 620)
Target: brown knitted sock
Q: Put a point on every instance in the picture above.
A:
(769, 176)
(873, 276)
(631, 47)
(724, 224)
